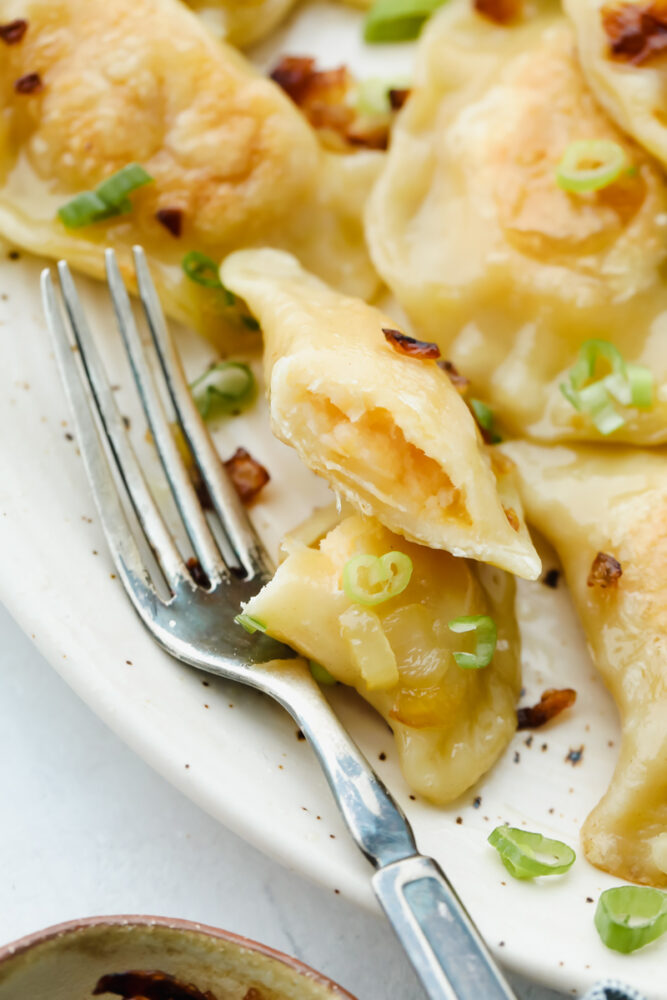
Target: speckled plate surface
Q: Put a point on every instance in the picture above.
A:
(234, 752)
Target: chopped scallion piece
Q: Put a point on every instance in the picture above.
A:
(529, 855)
(224, 388)
(109, 198)
(591, 164)
(249, 322)
(321, 675)
(115, 189)
(83, 210)
(628, 383)
(486, 635)
(630, 916)
(398, 20)
(203, 270)
(370, 580)
(485, 417)
(250, 624)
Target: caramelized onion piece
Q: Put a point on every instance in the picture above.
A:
(322, 95)
(246, 473)
(460, 382)
(171, 219)
(31, 83)
(424, 349)
(635, 31)
(12, 32)
(499, 11)
(149, 985)
(605, 571)
(551, 704)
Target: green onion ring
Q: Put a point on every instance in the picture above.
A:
(631, 916)
(371, 580)
(486, 636)
(202, 269)
(628, 383)
(225, 388)
(609, 162)
(522, 853)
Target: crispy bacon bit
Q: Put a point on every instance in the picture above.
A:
(397, 97)
(171, 219)
(636, 32)
(460, 382)
(322, 97)
(551, 704)
(149, 986)
(605, 571)
(12, 32)
(499, 11)
(513, 518)
(248, 476)
(252, 993)
(423, 349)
(197, 573)
(31, 83)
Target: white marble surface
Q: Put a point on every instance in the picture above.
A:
(89, 829)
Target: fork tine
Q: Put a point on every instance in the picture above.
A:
(231, 512)
(157, 534)
(116, 528)
(204, 544)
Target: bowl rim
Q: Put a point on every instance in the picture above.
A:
(29, 941)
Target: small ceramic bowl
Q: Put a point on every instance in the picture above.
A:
(68, 961)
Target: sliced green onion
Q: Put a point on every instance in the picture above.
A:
(631, 916)
(591, 164)
(628, 383)
(109, 198)
(203, 270)
(224, 388)
(529, 855)
(83, 210)
(486, 635)
(485, 417)
(372, 580)
(250, 322)
(250, 624)
(321, 675)
(115, 189)
(398, 20)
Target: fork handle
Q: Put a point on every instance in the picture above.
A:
(429, 919)
(436, 932)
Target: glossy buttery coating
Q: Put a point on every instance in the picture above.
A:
(586, 501)
(146, 82)
(509, 273)
(633, 95)
(450, 724)
(389, 432)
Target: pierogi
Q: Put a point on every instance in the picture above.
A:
(389, 432)
(489, 256)
(605, 512)
(233, 162)
(450, 724)
(622, 64)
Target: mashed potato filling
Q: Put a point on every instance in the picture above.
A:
(388, 431)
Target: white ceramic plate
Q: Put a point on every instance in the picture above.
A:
(236, 753)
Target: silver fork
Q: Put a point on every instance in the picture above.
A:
(439, 937)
